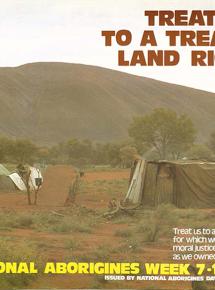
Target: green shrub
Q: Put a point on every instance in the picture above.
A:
(149, 229)
(23, 252)
(123, 233)
(25, 221)
(61, 228)
(72, 245)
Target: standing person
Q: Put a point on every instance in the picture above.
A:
(73, 190)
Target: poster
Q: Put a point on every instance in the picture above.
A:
(107, 121)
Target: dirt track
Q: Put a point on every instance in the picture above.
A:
(57, 180)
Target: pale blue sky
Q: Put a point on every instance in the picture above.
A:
(70, 31)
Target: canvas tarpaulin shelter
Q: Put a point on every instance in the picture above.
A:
(10, 182)
(17, 180)
(182, 183)
(6, 184)
(4, 170)
(34, 175)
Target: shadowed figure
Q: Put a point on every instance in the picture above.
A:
(74, 188)
(197, 285)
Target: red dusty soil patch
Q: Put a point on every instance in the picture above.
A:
(107, 175)
(57, 181)
(89, 201)
(13, 200)
(99, 200)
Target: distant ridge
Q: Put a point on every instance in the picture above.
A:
(52, 102)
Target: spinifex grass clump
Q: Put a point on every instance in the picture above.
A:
(19, 252)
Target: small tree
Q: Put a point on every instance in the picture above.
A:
(79, 151)
(199, 151)
(24, 151)
(6, 149)
(127, 155)
(111, 152)
(164, 131)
